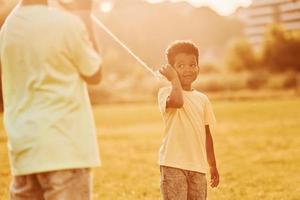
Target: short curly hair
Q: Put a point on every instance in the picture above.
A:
(181, 46)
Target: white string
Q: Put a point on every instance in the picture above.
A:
(101, 25)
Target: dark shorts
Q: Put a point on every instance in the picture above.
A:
(179, 184)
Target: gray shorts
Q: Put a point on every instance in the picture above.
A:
(73, 184)
(179, 184)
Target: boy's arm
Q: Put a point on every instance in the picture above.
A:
(175, 100)
(83, 9)
(86, 18)
(214, 174)
(93, 79)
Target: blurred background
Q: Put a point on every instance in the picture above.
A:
(246, 46)
(250, 68)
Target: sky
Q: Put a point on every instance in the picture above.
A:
(223, 7)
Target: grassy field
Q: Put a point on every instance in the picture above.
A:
(257, 145)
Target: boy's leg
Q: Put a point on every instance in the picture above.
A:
(26, 187)
(72, 184)
(197, 186)
(173, 183)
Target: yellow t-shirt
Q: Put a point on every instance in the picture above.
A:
(47, 111)
(184, 135)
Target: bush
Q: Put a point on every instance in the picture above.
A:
(212, 85)
(209, 68)
(221, 82)
(256, 80)
(275, 81)
(241, 57)
(291, 81)
(235, 81)
(281, 50)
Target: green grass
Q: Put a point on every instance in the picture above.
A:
(257, 145)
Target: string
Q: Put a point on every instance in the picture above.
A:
(101, 25)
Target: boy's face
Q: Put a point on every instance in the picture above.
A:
(186, 66)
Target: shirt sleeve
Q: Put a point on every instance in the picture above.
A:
(209, 116)
(163, 95)
(1, 40)
(84, 56)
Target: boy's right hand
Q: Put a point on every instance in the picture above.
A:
(169, 72)
(214, 177)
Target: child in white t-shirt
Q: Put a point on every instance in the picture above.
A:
(187, 151)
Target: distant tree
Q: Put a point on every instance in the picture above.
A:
(281, 50)
(241, 57)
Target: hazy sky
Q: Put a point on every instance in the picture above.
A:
(224, 7)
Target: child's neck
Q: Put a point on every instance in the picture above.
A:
(187, 87)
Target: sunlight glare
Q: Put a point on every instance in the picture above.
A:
(106, 6)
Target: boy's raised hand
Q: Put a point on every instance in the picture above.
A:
(169, 72)
(214, 177)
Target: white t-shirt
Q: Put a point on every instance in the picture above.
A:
(184, 135)
(47, 111)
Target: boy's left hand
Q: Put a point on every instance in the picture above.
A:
(214, 177)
